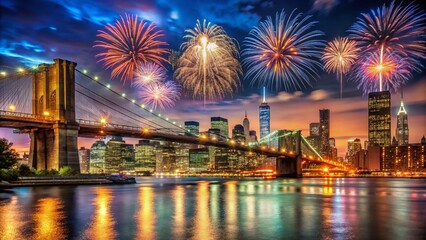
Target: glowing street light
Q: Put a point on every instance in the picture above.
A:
(103, 121)
(12, 108)
(3, 73)
(145, 130)
(46, 113)
(20, 70)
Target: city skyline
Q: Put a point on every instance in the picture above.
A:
(286, 108)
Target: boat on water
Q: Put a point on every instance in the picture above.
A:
(119, 178)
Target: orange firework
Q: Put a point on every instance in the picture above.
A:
(128, 43)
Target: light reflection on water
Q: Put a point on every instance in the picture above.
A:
(102, 223)
(194, 208)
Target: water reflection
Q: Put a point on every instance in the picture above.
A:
(11, 221)
(203, 228)
(220, 209)
(146, 214)
(48, 219)
(231, 209)
(179, 216)
(102, 224)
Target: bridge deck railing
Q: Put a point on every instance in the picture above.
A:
(122, 127)
(25, 115)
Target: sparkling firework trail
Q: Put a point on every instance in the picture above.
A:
(339, 56)
(208, 67)
(127, 44)
(284, 53)
(397, 31)
(147, 73)
(160, 94)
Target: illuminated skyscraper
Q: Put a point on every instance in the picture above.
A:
(84, 157)
(221, 124)
(324, 132)
(238, 133)
(246, 125)
(264, 117)
(97, 157)
(193, 127)
(402, 125)
(145, 157)
(113, 155)
(379, 118)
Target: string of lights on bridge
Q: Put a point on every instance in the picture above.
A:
(95, 78)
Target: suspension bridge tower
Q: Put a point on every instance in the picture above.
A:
(53, 95)
(291, 166)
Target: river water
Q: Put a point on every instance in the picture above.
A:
(214, 208)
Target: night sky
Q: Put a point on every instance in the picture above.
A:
(34, 32)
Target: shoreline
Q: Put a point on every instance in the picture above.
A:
(49, 181)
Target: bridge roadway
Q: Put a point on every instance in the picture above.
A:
(93, 129)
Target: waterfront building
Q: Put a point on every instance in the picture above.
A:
(354, 146)
(84, 158)
(97, 157)
(221, 160)
(238, 133)
(145, 157)
(401, 132)
(246, 125)
(324, 132)
(221, 124)
(166, 158)
(182, 157)
(113, 155)
(128, 157)
(379, 118)
(409, 157)
(193, 127)
(199, 160)
(264, 117)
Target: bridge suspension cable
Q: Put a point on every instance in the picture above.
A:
(151, 123)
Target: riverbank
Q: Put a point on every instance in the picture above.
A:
(53, 181)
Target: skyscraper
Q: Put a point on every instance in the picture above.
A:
(246, 125)
(221, 124)
(238, 133)
(113, 155)
(264, 117)
(379, 118)
(324, 131)
(193, 127)
(97, 157)
(84, 157)
(354, 146)
(314, 129)
(145, 157)
(401, 132)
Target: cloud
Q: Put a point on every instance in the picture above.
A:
(324, 6)
(318, 95)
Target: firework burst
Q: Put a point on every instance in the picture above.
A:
(339, 56)
(284, 53)
(127, 44)
(394, 70)
(396, 31)
(147, 73)
(160, 94)
(208, 67)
